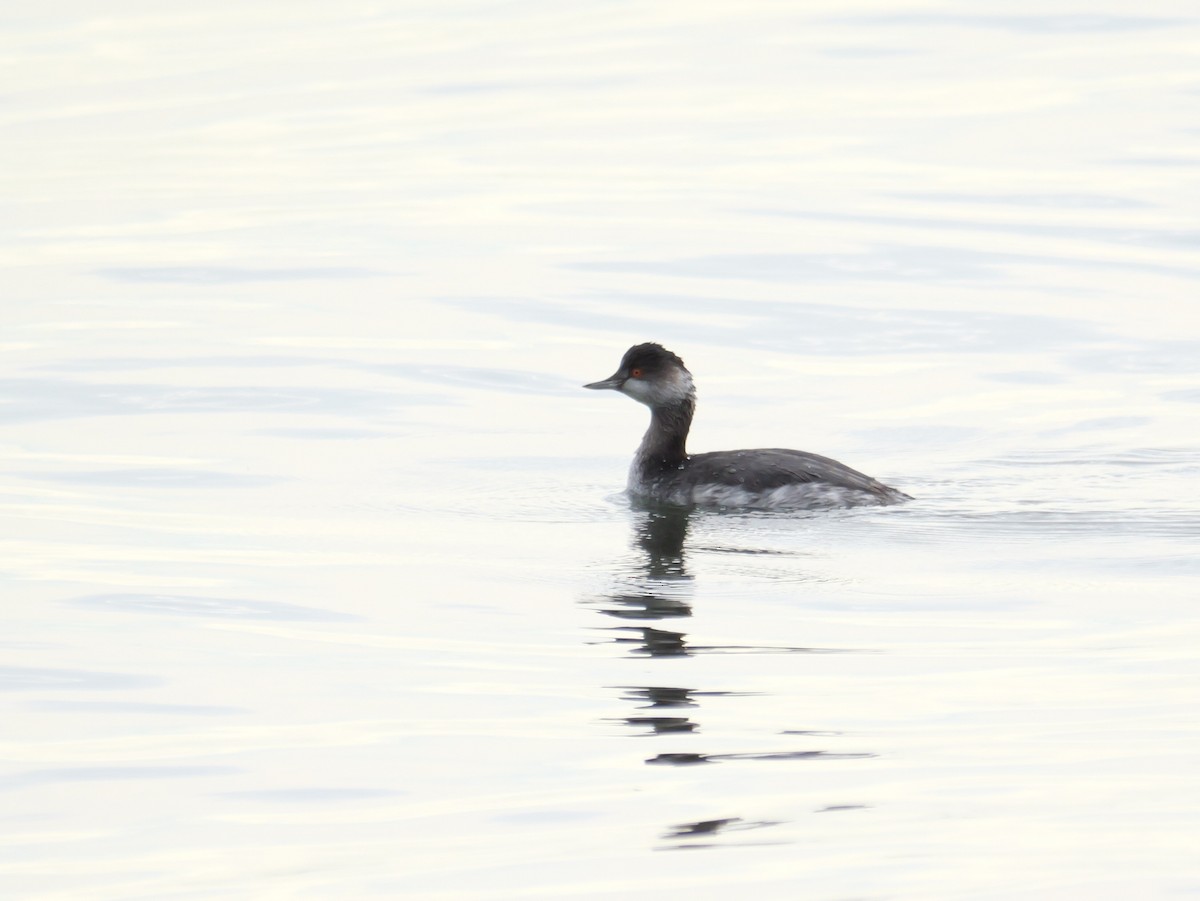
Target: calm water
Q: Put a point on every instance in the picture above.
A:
(318, 579)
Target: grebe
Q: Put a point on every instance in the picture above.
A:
(771, 478)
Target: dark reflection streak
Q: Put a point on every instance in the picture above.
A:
(664, 696)
(680, 759)
(664, 643)
(691, 759)
(660, 725)
(646, 606)
(697, 846)
(711, 827)
(704, 827)
(770, 649)
(655, 642)
(837, 808)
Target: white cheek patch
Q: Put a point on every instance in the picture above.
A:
(671, 388)
(639, 390)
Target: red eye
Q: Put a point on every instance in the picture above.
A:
(636, 373)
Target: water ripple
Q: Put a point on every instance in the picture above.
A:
(219, 608)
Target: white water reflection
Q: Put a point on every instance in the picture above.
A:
(317, 578)
(222, 608)
(27, 678)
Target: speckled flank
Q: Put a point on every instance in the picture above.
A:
(796, 496)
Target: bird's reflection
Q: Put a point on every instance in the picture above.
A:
(685, 835)
(646, 606)
(652, 587)
(660, 532)
(663, 696)
(653, 642)
(656, 586)
(660, 696)
(660, 725)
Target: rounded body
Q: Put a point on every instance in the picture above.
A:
(769, 478)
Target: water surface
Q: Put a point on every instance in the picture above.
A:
(319, 579)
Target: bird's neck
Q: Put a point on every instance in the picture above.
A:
(664, 445)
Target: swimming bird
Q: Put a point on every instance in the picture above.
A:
(770, 478)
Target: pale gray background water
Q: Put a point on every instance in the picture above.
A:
(317, 578)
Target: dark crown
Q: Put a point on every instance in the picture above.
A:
(650, 357)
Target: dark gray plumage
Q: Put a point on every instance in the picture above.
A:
(766, 478)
